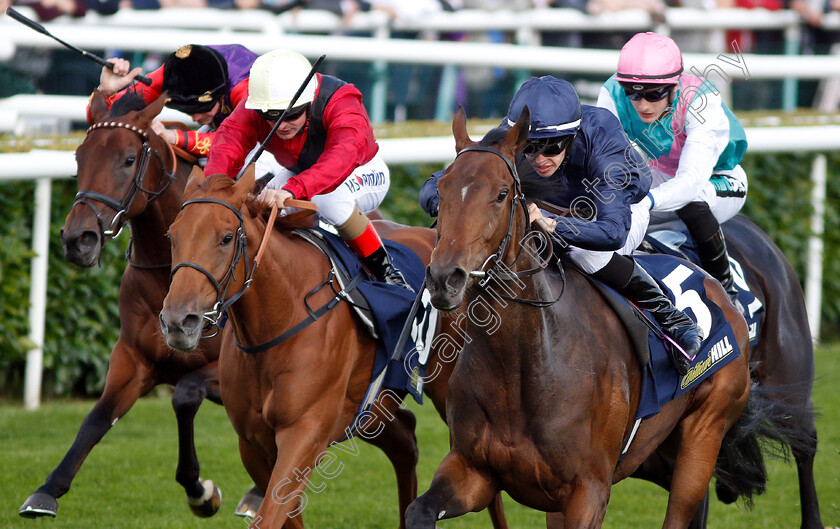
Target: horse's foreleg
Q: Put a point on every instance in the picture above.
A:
(457, 488)
(399, 443)
(294, 474)
(124, 384)
(587, 505)
(203, 496)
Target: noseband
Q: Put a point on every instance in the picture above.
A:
(117, 223)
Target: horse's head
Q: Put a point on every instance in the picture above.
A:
(478, 212)
(120, 171)
(209, 255)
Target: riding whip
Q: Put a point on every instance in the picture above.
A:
(256, 154)
(95, 58)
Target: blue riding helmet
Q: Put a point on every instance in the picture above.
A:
(554, 107)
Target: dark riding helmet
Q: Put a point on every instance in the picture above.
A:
(195, 78)
(554, 107)
(555, 113)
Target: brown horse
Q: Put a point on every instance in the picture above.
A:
(292, 401)
(126, 173)
(541, 406)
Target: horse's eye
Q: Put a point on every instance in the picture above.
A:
(129, 161)
(502, 196)
(226, 239)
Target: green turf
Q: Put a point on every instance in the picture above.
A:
(128, 480)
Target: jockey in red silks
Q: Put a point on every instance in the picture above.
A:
(206, 82)
(325, 146)
(693, 140)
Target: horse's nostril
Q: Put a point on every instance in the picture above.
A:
(190, 323)
(163, 327)
(88, 239)
(457, 279)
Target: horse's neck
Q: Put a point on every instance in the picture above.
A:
(149, 229)
(274, 302)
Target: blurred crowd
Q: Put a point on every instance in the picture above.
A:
(413, 88)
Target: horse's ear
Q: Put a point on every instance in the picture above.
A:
(196, 177)
(246, 182)
(153, 109)
(459, 130)
(518, 134)
(98, 106)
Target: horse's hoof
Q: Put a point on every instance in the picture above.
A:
(249, 504)
(209, 502)
(39, 504)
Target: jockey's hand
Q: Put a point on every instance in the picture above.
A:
(167, 134)
(111, 82)
(536, 217)
(275, 196)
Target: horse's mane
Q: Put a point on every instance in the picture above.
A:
(533, 185)
(131, 100)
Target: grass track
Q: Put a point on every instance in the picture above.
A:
(128, 480)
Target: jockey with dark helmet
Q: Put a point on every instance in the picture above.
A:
(585, 151)
(325, 146)
(694, 141)
(206, 82)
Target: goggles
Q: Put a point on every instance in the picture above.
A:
(547, 146)
(274, 115)
(651, 94)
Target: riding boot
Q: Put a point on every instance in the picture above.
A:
(633, 282)
(361, 237)
(380, 265)
(715, 261)
(646, 294)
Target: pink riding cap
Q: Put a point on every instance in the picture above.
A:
(649, 58)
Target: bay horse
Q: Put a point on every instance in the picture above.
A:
(542, 406)
(293, 400)
(128, 174)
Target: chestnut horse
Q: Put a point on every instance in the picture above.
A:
(292, 401)
(128, 174)
(542, 406)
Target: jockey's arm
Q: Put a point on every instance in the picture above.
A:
(707, 134)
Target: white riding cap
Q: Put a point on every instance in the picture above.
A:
(275, 78)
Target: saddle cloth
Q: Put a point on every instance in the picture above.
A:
(680, 244)
(389, 306)
(684, 287)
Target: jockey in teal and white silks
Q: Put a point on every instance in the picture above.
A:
(692, 138)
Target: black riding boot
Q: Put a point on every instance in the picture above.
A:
(379, 264)
(715, 260)
(646, 294)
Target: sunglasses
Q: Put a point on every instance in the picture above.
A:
(274, 115)
(547, 147)
(654, 95)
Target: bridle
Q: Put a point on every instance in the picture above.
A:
(240, 251)
(117, 222)
(498, 268)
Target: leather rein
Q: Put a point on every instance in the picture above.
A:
(240, 252)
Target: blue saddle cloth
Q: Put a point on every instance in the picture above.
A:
(680, 244)
(684, 287)
(390, 305)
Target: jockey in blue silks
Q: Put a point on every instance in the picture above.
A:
(584, 149)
